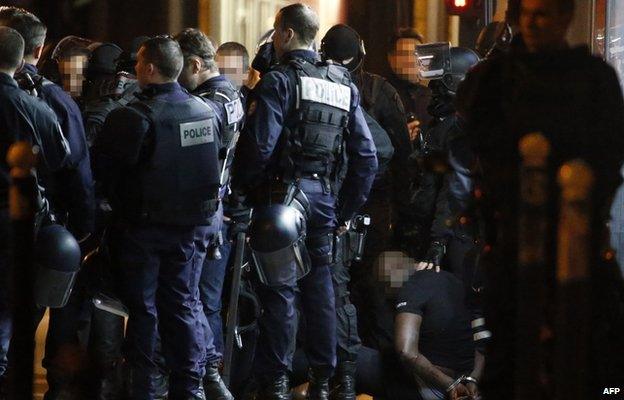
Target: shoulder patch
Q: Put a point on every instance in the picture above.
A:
(234, 111)
(325, 92)
(196, 133)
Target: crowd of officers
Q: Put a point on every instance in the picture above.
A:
(161, 159)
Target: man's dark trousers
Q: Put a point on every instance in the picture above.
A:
(278, 323)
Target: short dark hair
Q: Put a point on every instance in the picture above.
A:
(237, 49)
(30, 27)
(7, 12)
(302, 20)
(194, 42)
(165, 54)
(406, 33)
(11, 48)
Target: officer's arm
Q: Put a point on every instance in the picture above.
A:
(77, 174)
(362, 164)
(120, 143)
(268, 104)
(55, 150)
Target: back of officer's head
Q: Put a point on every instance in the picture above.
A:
(196, 45)
(159, 60)
(32, 30)
(301, 20)
(7, 12)
(11, 50)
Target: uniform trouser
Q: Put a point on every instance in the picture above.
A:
(65, 350)
(162, 266)
(278, 323)
(346, 316)
(5, 284)
(211, 290)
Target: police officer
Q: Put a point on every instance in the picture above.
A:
(296, 140)
(22, 117)
(159, 157)
(445, 202)
(74, 207)
(201, 77)
(342, 45)
(77, 206)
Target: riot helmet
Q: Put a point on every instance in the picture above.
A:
(343, 45)
(277, 241)
(103, 59)
(449, 65)
(57, 262)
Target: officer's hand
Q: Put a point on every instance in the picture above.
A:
(414, 129)
(341, 230)
(433, 258)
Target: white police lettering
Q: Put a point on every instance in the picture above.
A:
(234, 111)
(195, 133)
(401, 304)
(325, 92)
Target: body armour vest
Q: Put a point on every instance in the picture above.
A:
(225, 94)
(315, 132)
(179, 182)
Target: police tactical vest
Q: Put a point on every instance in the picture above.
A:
(179, 183)
(316, 131)
(225, 94)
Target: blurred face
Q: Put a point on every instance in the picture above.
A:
(393, 269)
(231, 65)
(403, 61)
(72, 71)
(542, 26)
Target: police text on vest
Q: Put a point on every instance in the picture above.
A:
(196, 133)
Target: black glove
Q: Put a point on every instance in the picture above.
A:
(434, 256)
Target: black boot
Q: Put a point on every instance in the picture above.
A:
(343, 383)
(214, 387)
(275, 389)
(319, 385)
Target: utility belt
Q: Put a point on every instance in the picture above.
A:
(345, 248)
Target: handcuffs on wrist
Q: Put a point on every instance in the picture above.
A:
(461, 379)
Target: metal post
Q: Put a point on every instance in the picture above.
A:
(573, 265)
(533, 224)
(22, 209)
